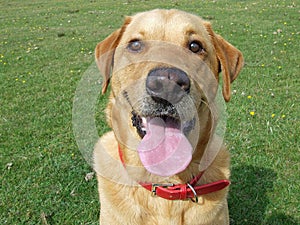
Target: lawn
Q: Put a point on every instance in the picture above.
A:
(45, 49)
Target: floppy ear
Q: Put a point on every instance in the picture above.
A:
(104, 53)
(230, 58)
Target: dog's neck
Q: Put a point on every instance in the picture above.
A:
(190, 190)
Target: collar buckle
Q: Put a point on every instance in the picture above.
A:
(154, 186)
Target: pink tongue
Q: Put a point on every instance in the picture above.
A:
(164, 150)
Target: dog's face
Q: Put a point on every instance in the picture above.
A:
(165, 69)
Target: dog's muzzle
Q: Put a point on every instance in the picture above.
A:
(166, 87)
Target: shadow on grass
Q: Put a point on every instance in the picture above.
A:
(248, 199)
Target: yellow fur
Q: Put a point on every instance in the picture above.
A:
(123, 201)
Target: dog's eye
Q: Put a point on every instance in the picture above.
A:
(135, 46)
(196, 47)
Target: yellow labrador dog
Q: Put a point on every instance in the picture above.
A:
(162, 162)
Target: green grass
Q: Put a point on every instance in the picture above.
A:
(45, 47)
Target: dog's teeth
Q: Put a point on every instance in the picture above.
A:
(144, 120)
(144, 129)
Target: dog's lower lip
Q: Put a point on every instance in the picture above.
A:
(139, 123)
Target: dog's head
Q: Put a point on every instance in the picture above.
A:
(164, 66)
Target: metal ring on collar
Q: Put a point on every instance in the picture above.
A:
(195, 200)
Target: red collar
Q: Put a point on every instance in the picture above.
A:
(182, 191)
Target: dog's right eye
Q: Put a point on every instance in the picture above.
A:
(196, 47)
(135, 46)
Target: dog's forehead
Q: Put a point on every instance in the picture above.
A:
(165, 25)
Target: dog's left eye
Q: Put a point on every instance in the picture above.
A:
(135, 46)
(196, 47)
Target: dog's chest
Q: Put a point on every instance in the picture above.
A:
(155, 210)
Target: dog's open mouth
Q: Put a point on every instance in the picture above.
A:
(164, 149)
(140, 123)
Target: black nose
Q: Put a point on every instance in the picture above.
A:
(169, 84)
